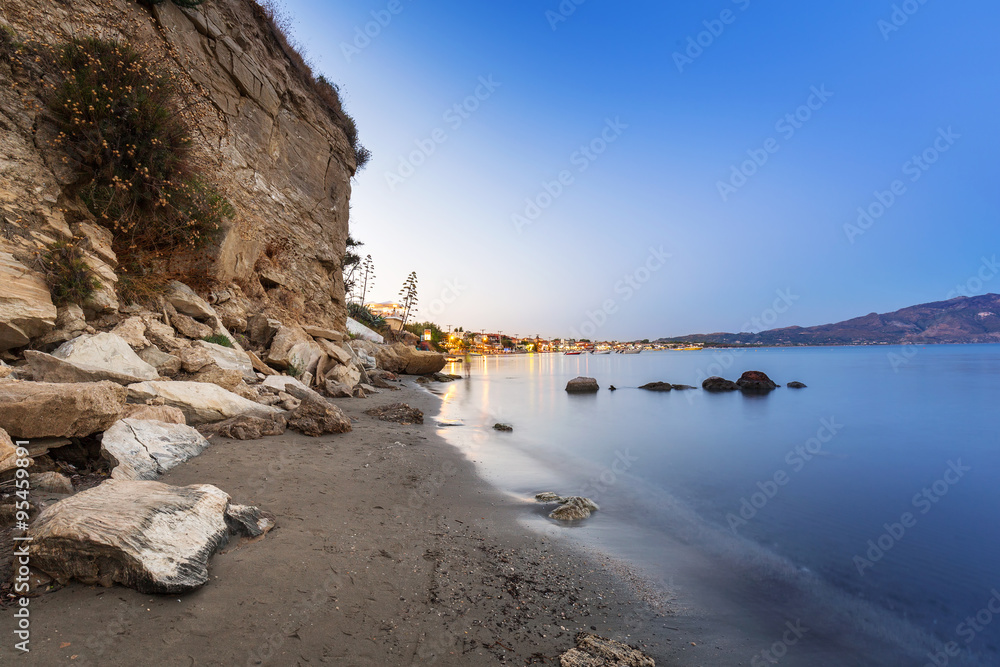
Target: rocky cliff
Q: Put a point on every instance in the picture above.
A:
(265, 133)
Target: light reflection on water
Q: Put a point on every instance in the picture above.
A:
(693, 457)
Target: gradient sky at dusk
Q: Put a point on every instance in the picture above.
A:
(888, 91)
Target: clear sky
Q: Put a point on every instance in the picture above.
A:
(643, 169)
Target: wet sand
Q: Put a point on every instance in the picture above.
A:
(389, 550)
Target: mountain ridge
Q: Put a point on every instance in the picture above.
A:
(963, 319)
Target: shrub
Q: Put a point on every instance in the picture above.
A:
(69, 277)
(120, 120)
(365, 316)
(219, 339)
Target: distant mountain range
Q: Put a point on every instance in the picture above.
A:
(960, 320)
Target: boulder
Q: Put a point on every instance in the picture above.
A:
(681, 387)
(74, 410)
(335, 351)
(292, 387)
(657, 386)
(594, 651)
(755, 382)
(401, 413)
(145, 535)
(248, 427)
(228, 379)
(8, 452)
(229, 358)
(90, 358)
(193, 359)
(317, 418)
(70, 323)
(201, 402)
(165, 364)
(336, 389)
(185, 301)
(144, 449)
(190, 327)
(571, 508)
(326, 334)
(262, 329)
(259, 365)
(51, 482)
(349, 375)
(795, 385)
(5, 370)
(162, 336)
(402, 358)
(26, 308)
(503, 427)
(160, 413)
(582, 385)
(133, 332)
(291, 347)
(715, 383)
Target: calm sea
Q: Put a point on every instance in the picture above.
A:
(864, 509)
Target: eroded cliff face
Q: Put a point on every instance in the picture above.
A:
(268, 141)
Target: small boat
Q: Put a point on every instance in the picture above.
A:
(572, 353)
(634, 350)
(601, 352)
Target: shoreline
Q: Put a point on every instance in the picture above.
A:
(389, 550)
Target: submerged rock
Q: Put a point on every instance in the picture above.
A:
(582, 385)
(594, 651)
(715, 383)
(796, 385)
(145, 535)
(755, 382)
(571, 508)
(503, 427)
(657, 386)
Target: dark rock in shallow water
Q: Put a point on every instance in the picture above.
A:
(613, 388)
(582, 385)
(657, 386)
(503, 427)
(683, 386)
(715, 383)
(571, 508)
(755, 381)
(795, 385)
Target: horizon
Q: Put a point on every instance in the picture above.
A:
(550, 170)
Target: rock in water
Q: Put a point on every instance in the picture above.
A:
(317, 418)
(715, 383)
(594, 651)
(145, 449)
(657, 386)
(74, 410)
(755, 382)
(574, 508)
(149, 536)
(503, 427)
(796, 385)
(548, 497)
(582, 385)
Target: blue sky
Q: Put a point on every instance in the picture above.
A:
(711, 156)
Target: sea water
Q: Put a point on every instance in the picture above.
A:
(865, 508)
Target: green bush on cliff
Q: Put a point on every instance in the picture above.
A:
(122, 126)
(69, 277)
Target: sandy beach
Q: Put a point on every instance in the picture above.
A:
(389, 550)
